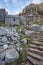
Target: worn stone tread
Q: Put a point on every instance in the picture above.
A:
(36, 47)
(34, 61)
(25, 62)
(37, 43)
(37, 57)
(36, 51)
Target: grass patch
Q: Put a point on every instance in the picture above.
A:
(39, 22)
(3, 24)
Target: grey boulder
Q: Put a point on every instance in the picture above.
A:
(11, 55)
(28, 33)
(4, 38)
(35, 27)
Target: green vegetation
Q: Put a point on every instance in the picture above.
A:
(3, 24)
(39, 22)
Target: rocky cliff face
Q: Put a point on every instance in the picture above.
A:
(33, 12)
(40, 9)
(31, 9)
(35, 9)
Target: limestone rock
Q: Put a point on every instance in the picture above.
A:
(4, 38)
(24, 40)
(11, 55)
(35, 27)
(2, 32)
(28, 33)
(5, 46)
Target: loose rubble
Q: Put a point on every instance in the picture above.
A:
(8, 41)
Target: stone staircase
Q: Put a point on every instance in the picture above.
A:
(34, 53)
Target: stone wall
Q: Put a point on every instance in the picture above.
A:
(12, 19)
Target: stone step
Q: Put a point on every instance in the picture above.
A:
(36, 47)
(36, 51)
(36, 39)
(37, 43)
(35, 35)
(35, 56)
(41, 37)
(25, 62)
(34, 61)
